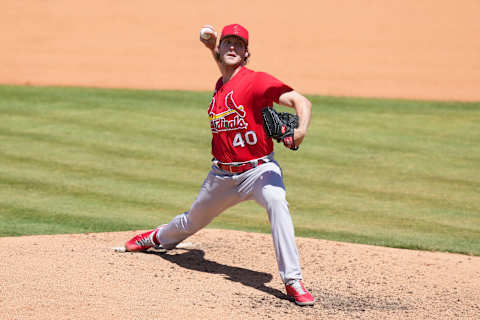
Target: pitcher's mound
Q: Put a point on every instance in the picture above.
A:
(224, 274)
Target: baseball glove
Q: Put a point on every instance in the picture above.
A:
(280, 126)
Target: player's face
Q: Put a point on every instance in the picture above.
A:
(232, 51)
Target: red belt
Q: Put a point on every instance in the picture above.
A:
(239, 168)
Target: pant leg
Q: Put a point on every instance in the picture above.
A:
(269, 191)
(217, 194)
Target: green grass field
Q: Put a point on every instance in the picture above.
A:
(385, 172)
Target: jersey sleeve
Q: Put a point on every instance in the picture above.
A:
(269, 88)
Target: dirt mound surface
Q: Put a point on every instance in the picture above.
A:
(223, 274)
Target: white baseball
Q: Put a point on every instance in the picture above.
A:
(206, 33)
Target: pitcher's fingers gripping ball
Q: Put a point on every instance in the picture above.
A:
(208, 35)
(206, 32)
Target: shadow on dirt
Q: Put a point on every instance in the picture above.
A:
(194, 259)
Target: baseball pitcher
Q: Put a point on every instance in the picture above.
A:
(243, 123)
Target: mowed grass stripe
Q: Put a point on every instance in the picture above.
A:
(108, 173)
(465, 246)
(378, 193)
(395, 174)
(88, 146)
(417, 222)
(35, 221)
(135, 152)
(389, 172)
(113, 125)
(84, 192)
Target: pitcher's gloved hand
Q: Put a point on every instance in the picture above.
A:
(280, 126)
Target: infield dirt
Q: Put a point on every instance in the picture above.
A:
(408, 49)
(228, 275)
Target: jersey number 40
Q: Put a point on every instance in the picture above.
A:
(250, 138)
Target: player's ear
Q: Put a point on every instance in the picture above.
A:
(246, 56)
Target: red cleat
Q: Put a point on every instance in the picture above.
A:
(297, 291)
(143, 241)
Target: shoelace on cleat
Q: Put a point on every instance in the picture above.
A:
(298, 287)
(144, 242)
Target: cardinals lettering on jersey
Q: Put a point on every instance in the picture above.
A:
(233, 118)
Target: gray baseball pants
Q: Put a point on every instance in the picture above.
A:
(222, 190)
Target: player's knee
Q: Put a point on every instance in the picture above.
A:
(274, 196)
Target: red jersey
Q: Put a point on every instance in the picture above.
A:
(235, 114)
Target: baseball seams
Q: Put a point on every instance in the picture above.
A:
(206, 33)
